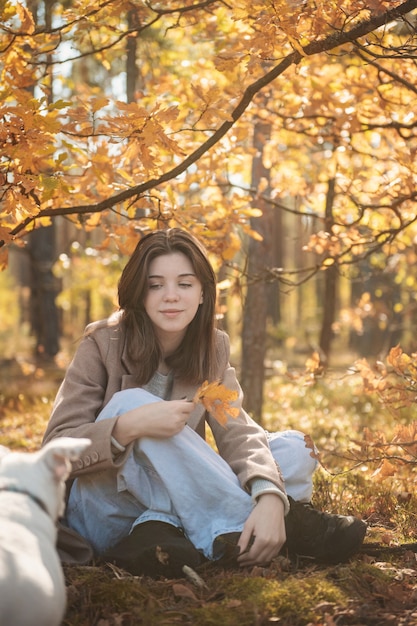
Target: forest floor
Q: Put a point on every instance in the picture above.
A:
(377, 587)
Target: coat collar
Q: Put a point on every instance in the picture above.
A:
(180, 389)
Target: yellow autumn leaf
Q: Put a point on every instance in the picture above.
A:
(385, 470)
(296, 45)
(26, 19)
(251, 212)
(398, 359)
(309, 443)
(98, 103)
(216, 399)
(313, 363)
(168, 114)
(3, 258)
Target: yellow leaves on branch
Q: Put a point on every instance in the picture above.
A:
(27, 24)
(400, 451)
(312, 371)
(216, 399)
(337, 242)
(402, 363)
(395, 382)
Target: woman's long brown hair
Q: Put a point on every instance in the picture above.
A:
(194, 360)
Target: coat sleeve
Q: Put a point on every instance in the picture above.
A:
(79, 400)
(242, 442)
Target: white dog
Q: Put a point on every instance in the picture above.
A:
(32, 497)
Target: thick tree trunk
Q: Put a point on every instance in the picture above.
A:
(42, 256)
(44, 288)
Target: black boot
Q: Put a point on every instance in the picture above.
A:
(225, 550)
(326, 537)
(154, 549)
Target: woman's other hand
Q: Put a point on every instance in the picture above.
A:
(263, 534)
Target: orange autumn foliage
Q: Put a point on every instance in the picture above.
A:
(216, 399)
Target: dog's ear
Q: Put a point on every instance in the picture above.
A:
(59, 453)
(60, 466)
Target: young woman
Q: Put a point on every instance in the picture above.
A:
(150, 494)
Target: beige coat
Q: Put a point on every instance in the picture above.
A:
(101, 367)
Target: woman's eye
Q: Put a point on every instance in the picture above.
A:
(155, 286)
(185, 285)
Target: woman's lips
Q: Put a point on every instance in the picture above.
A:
(171, 312)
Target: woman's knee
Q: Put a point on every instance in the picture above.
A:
(294, 451)
(126, 400)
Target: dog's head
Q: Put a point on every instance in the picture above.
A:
(42, 474)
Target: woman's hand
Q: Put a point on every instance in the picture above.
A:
(265, 526)
(159, 419)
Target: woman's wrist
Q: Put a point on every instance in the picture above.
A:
(129, 427)
(261, 487)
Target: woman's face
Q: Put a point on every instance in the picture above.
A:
(173, 296)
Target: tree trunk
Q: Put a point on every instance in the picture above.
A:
(132, 73)
(277, 247)
(330, 284)
(42, 256)
(44, 288)
(256, 302)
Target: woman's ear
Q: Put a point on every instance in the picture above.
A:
(201, 299)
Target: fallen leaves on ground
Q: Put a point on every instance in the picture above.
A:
(366, 591)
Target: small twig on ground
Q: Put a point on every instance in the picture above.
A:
(194, 577)
(373, 549)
